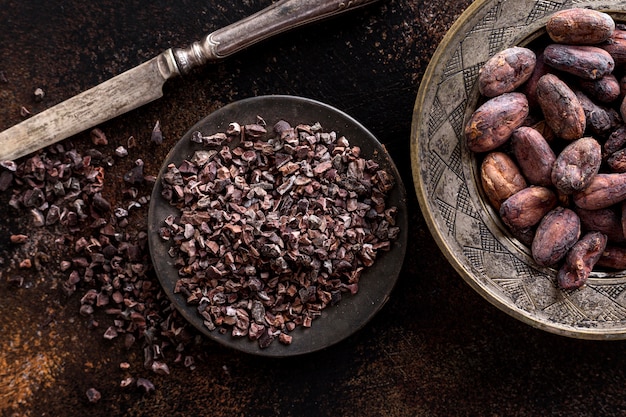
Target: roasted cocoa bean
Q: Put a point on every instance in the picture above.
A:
(607, 221)
(561, 108)
(604, 90)
(617, 161)
(529, 88)
(500, 177)
(576, 165)
(603, 191)
(613, 257)
(527, 207)
(580, 26)
(616, 46)
(505, 71)
(557, 232)
(598, 120)
(586, 62)
(580, 260)
(534, 155)
(615, 141)
(492, 123)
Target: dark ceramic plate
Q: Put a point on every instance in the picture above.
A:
(336, 322)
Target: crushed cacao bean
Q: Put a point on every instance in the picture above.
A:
(274, 226)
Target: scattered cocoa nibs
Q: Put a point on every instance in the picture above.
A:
(157, 135)
(121, 151)
(3, 77)
(19, 239)
(39, 94)
(93, 395)
(24, 112)
(275, 227)
(98, 137)
(135, 176)
(145, 384)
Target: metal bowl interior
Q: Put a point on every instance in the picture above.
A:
(352, 312)
(446, 179)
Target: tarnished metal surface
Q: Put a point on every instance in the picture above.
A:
(494, 263)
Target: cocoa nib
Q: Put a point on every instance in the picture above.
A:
(276, 228)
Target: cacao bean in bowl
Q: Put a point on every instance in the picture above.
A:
(278, 225)
(495, 247)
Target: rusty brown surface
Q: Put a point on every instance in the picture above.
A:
(436, 348)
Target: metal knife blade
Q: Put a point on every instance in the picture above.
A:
(144, 83)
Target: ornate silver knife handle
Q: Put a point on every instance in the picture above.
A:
(274, 19)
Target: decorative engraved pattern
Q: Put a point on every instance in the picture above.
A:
(496, 265)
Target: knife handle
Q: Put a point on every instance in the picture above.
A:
(274, 19)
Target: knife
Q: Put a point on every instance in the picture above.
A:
(144, 83)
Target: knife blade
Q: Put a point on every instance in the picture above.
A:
(144, 83)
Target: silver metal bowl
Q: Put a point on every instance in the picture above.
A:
(446, 179)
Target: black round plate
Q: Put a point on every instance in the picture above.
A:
(352, 312)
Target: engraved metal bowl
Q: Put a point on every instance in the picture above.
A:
(376, 283)
(446, 179)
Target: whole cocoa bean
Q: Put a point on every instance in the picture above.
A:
(534, 155)
(527, 207)
(505, 71)
(613, 257)
(617, 161)
(493, 122)
(603, 191)
(607, 220)
(580, 26)
(597, 118)
(557, 232)
(580, 260)
(615, 141)
(530, 86)
(576, 165)
(561, 108)
(604, 90)
(587, 62)
(500, 177)
(616, 46)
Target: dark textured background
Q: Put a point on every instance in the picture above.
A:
(436, 348)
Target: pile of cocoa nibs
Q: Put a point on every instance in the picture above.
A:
(274, 226)
(552, 139)
(88, 247)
